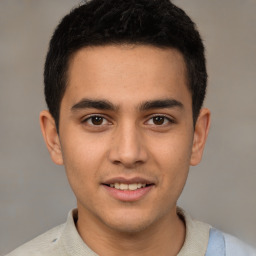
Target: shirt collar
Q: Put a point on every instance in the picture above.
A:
(196, 240)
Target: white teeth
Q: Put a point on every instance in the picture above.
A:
(123, 186)
(133, 186)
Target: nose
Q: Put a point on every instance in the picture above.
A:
(128, 147)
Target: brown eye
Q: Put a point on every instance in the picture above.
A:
(159, 120)
(97, 120)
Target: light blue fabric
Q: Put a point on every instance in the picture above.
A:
(235, 247)
(216, 244)
(221, 244)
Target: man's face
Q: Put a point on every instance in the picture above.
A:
(126, 134)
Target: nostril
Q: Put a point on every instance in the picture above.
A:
(116, 162)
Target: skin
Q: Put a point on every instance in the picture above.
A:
(127, 140)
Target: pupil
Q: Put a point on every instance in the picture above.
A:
(158, 120)
(97, 120)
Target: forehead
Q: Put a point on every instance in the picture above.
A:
(126, 73)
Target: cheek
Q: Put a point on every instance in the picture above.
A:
(173, 159)
(82, 157)
(173, 150)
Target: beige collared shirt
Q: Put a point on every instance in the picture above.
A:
(64, 240)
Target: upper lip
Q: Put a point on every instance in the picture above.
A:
(125, 180)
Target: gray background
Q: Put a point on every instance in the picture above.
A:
(34, 193)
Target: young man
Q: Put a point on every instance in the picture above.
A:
(125, 82)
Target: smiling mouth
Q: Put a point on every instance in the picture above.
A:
(125, 186)
(128, 189)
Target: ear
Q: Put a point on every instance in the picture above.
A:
(51, 137)
(200, 135)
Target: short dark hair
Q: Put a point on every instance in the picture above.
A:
(157, 23)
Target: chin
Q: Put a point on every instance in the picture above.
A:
(129, 223)
(130, 227)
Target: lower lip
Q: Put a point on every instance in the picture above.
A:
(128, 195)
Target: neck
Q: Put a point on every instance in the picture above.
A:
(165, 237)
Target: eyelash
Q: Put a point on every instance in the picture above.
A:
(86, 120)
(167, 120)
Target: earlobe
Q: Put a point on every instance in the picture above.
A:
(200, 136)
(51, 137)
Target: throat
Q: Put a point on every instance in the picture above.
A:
(165, 237)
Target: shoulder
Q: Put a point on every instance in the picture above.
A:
(224, 244)
(235, 246)
(45, 244)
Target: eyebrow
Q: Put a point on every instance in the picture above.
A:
(97, 104)
(144, 106)
(158, 104)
